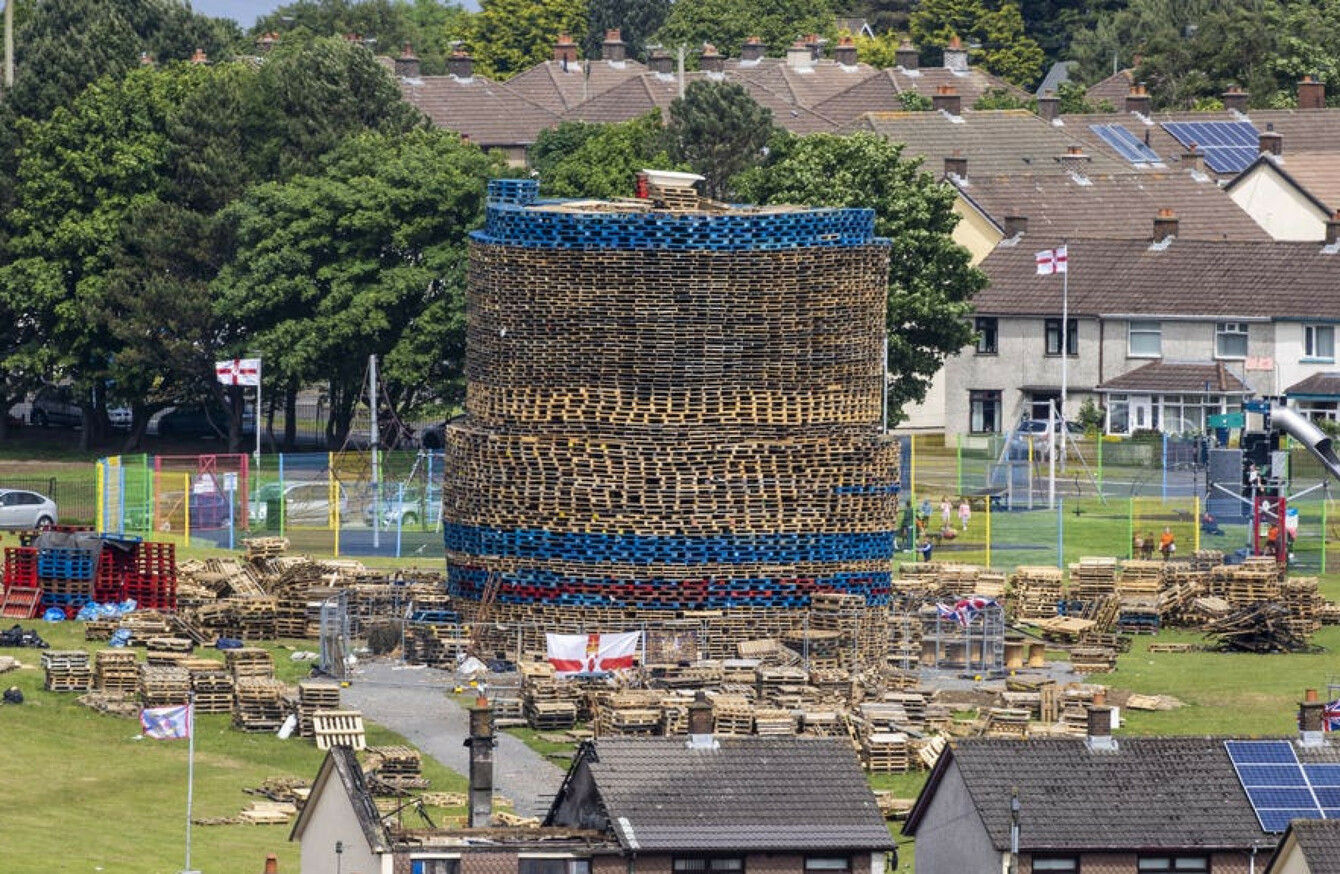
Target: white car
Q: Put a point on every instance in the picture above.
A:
(26, 510)
(302, 503)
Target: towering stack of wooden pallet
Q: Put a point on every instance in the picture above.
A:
(260, 704)
(1034, 593)
(211, 685)
(550, 705)
(164, 685)
(314, 695)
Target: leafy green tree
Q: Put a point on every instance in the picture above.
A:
(509, 36)
(1053, 23)
(719, 131)
(599, 160)
(883, 16)
(1075, 99)
(1000, 98)
(932, 280)
(728, 23)
(635, 19)
(880, 51)
(367, 256)
(428, 26)
(993, 30)
(911, 101)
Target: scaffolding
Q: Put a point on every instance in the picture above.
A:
(972, 645)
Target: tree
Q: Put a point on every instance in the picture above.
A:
(509, 36)
(636, 20)
(719, 131)
(728, 23)
(1000, 98)
(599, 160)
(931, 281)
(992, 29)
(366, 256)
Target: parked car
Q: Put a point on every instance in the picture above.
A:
(119, 418)
(300, 503)
(1039, 431)
(23, 509)
(55, 405)
(193, 421)
(406, 510)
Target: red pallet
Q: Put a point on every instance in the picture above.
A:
(20, 602)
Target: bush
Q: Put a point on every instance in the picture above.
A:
(384, 637)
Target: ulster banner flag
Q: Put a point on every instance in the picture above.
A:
(239, 371)
(166, 723)
(592, 653)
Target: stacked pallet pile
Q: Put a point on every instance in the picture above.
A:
(1092, 578)
(115, 670)
(212, 685)
(249, 662)
(732, 715)
(1034, 592)
(396, 767)
(260, 704)
(164, 685)
(66, 671)
(886, 753)
(314, 695)
(628, 713)
(550, 704)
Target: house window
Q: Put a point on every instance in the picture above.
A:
(1230, 340)
(1053, 330)
(551, 865)
(435, 866)
(827, 865)
(1118, 414)
(1144, 339)
(1069, 864)
(984, 412)
(1319, 342)
(710, 865)
(1173, 865)
(987, 336)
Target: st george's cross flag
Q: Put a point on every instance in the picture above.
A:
(592, 653)
(166, 723)
(1051, 261)
(239, 371)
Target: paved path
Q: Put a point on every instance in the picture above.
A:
(416, 702)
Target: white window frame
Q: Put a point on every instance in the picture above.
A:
(1144, 328)
(435, 858)
(1224, 331)
(1314, 338)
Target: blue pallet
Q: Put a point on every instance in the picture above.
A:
(66, 564)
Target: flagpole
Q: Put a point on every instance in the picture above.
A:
(190, 775)
(257, 416)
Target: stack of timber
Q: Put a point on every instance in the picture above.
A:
(249, 663)
(67, 671)
(886, 753)
(1092, 578)
(551, 704)
(314, 695)
(398, 767)
(115, 670)
(260, 704)
(164, 685)
(211, 686)
(264, 547)
(1034, 592)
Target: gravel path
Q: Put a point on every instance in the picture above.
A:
(416, 702)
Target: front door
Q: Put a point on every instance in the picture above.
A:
(1142, 413)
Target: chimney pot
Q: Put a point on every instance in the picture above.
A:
(798, 56)
(1235, 99)
(1311, 94)
(1333, 229)
(1270, 142)
(956, 56)
(407, 65)
(907, 56)
(711, 60)
(613, 48)
(1075, 161)
(1309, 695)
(461, 65)
(565, 50)
(1049, 106)
(845, 53)
(946, 98)
(1165, 225)
(1138, 100)
(753, 49)
(271, 864)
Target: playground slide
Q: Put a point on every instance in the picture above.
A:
(1313, 438)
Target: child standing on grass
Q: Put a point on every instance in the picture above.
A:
(946, 512)
(964, 512)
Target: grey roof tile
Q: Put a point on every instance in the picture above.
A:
(558, 87)
(1318, 385)
(1319, 842)
(1164, 377)
(488, 112)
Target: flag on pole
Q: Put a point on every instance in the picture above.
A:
(592, 653)
(1051, 261)
(166, 723)
(965, 610)
(239, 371)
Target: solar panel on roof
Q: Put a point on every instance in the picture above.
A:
(1228, 146)
(1260, 752)
(1278, 820)
(1278, 786)
(1126, 144)
(1322, 775)
(1271, 775)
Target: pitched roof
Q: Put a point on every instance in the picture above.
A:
(1318, 385)
(881, 92)
(488, 112)
(558, 87)
(1303, 130)
(1318, 841)
(341, 768)
(1251, 280)
(1316, 173)
(995, 143)
(806, 86)
(1113, 89)
(1116, 206)
(751, 793)
(1177, 377)
(1151, 792)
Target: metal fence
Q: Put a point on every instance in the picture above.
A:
(349, 503)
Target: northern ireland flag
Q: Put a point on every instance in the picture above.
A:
(239, 371)
(166, 723)
(592, 653)
(1051, 261)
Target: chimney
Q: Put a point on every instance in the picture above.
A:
(660, 62)
(1015, 225)
(845, 53)
(1333, 229)
(1165, 225)
(1311, 94)
(266, 41)
(1311, 713)
(1099, 737)
(1194, 159)
(798, 56)
(199, 57)
(711, 61)
(754, 49)
(565, 50)
(1049, 106)
(946, 99)
(1270, 143)
(956, 56)
(272, 864)
(461, 65)
(146, 60)
(1137, 100)
(700, 724)
(407, 65)
(907, 56)
(815, 45)
(1075, 161)
(613, 48)
(481, 743)
(956, 165)
(1235, 99)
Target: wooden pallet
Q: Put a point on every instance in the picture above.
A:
(20, 602)
(338, 728)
